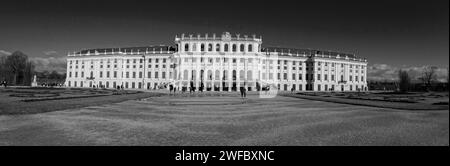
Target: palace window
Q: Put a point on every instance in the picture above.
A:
(250, 48)
(210, 47)
(186, 47)
(202, 47)
(242, 47)
(217, 47)
(234, 48)
(226, 47)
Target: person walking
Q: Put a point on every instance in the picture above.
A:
(241, 90)
(245, 92)
(170, 89)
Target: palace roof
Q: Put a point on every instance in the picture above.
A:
(307, 52)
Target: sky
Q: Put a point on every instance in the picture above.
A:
(392, 35)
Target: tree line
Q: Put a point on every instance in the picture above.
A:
(17, 69)
(428, 78)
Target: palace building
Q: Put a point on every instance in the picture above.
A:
(217, 63)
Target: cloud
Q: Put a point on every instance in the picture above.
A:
(51, 61)
(50, 53)
(3, 52)
(384, 72)
(49, 64)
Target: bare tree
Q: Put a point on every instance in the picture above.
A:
(404, 81)
(3, 68)
(428, 76)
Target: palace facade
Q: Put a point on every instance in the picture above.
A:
(217, 63)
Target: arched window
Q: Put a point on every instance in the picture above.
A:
(210, 47)
(234, 48)
(209, 75)
(217, 47)
(234, 75)
(225, 75)
(250, 48)
(242, 75)
(202, 47)
(186, 47)
(202, 75)
(194, 74)
(225, 48)
(242, 47)
(217, 76)
(249, 75)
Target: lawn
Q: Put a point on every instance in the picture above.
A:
(226, 120)
(37, 100)
(408, 101)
